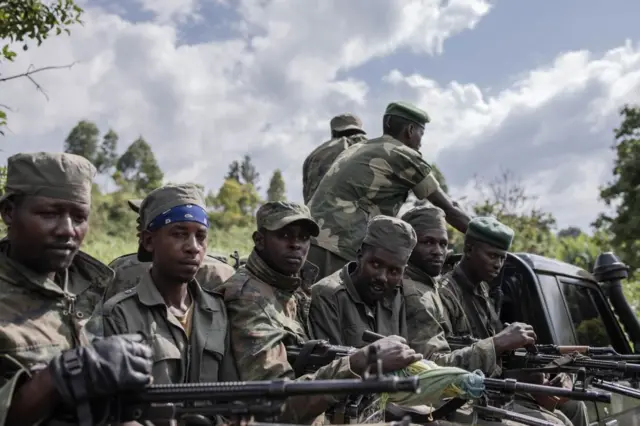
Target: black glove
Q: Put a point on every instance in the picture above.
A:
(108, 366)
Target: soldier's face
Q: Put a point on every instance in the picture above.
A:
(415, 134)
(286, 249)
(486, 261)
(430, 251)
(178, 250)
(379, 272)
(45, 233)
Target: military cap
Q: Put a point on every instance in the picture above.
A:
(392, 234)
(162, 200)
(50, 174)
(426, 218)
(134, 205)
(278, 214)
(407, 111)
(347, 121)
(491, 231)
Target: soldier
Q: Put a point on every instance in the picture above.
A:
(346, 130)
(374, 178)
(187, 324)
(48, 289)
(365, 294)
(213, 271)
(470, 311)
(261, 303)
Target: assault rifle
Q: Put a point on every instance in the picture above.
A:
(242, 401)
(314, 354)
(606, 353)
(541, 358)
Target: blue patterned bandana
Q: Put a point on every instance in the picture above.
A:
(183, 213)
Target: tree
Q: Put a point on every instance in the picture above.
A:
(233, 172)
(139, 167)
(624, 190)
(571, 231)
(83, 140)
(234, 205)
(276, 191)
(248, 172)
(107, 156)
(36, 20)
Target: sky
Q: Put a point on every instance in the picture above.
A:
(533, 88)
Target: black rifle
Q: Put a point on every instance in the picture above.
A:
(242, 401)
(314, 354)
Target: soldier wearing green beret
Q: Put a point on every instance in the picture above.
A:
(465, 294)
(346, 130)
(187, 322)
(374, 178)
(48, 288)
(264, 312)
(128, 269)
(366, 294)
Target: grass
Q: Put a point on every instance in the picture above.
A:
(107, 247)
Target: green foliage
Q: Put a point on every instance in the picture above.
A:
(23, 20)
(83, 140)
(624, 191)
(138, 167)
(234, 205)
(277, 190)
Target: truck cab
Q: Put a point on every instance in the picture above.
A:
(567, 305)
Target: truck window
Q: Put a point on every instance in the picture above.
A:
(589, 325)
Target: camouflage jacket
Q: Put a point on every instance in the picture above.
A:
(366, 180)
(128, 269)
(468, 306)
(338, 313)
(317, 163)
(264, 318)
(429, 325)
(204, 356)
(39, 319)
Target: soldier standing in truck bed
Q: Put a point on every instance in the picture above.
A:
(374, 178)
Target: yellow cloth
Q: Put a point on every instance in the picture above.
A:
(185, 320)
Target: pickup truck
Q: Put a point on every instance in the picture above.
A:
(567, 305)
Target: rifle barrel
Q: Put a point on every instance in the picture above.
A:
(274, 389)
(589, 363)
(616, 388)
(510, 385)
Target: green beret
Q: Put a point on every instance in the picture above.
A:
(489, 230)
(278, 214)
(407, 111)
(391, 233)
(425, 218)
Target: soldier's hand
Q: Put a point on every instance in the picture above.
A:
(393, 351)
(108, 366)
(514, 336)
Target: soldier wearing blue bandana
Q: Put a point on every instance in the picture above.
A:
(186, 324)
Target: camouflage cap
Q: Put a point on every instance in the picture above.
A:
(162, 199)
(424, 218)
(491, 231)
(134, 205)
(50, 174)
(392, 234)
(408, 111)
(276, 215)
(347, 121)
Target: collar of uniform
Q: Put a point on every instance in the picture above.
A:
(345, 276)
(464, 282)
(415, 273)
(149, 295)
(308, 275)
(264, 273)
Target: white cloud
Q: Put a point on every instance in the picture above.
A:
(272, 89)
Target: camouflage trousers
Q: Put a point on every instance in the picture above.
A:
(326, 261)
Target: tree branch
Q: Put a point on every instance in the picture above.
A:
(31, 70)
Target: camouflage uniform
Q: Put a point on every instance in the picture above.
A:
(366, 180)
(264, 319)
(199, 354)
(40, 318)
(338, 313)
(317, 163)
(470, 309)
